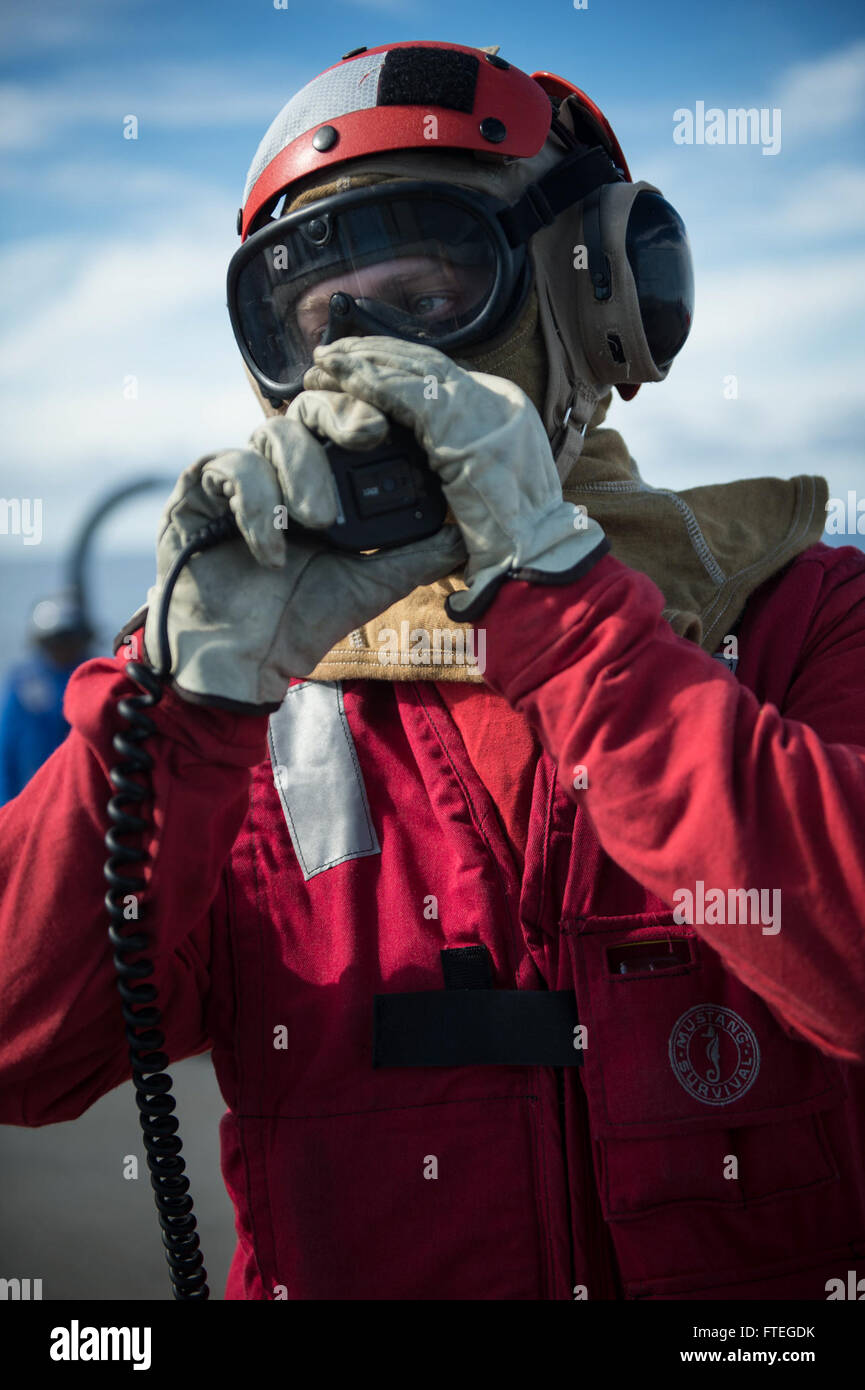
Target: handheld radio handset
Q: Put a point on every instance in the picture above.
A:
(388, 495)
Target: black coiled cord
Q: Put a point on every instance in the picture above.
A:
(133, 784)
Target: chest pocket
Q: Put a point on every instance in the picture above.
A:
(317, 775)
(686, 1069)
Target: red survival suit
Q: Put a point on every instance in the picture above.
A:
(286, 902)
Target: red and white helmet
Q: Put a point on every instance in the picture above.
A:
(527, 172)
(378, 99)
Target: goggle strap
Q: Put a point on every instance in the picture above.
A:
(570, 180)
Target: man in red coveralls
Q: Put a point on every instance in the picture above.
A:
(539, 976)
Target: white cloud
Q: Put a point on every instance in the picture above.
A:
(790, 335)
(828, 203)
(55, 23)
(86, 315)
(117, 294)
(777, 310)
(122, 180)
(825, 94)
(165, 95)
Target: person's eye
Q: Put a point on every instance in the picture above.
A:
(426, 304)
(312, 336)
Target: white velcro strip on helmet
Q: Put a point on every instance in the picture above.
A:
(350, 87)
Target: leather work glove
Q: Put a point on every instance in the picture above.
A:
(251, 613)
(488, 445)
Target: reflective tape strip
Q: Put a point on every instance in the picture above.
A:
(318, 778)
(348, 87)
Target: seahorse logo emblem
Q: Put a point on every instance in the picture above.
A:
(714, 1054)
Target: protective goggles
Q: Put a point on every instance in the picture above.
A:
(428, 262)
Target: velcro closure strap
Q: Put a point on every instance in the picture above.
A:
(476, 1027)
(467, 967)
(562, 186)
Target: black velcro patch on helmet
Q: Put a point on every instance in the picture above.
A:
(428, 77)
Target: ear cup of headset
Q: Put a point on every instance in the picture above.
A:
(636, 292)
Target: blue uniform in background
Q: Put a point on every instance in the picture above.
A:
(31, 721)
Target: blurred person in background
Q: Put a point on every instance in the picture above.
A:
(32, 723)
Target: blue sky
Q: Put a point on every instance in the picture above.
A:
(113, 252)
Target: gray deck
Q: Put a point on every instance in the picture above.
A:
(70, 1218)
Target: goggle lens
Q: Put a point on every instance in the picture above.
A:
(425, 269)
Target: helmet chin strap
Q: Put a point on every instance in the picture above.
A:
(577, 433)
